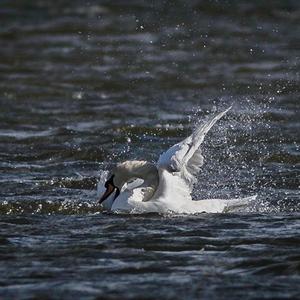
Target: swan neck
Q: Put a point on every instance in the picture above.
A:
(129, 170)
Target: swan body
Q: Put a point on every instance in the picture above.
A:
(164, 187)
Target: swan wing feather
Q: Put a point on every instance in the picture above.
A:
(186, 156)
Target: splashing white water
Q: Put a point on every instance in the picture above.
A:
(176, 169)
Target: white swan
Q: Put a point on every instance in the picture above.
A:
(140, 186)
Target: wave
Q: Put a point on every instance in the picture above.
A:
(49, 207)
(91, 206)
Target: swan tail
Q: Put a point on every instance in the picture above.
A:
(235, 204)
(219, 205)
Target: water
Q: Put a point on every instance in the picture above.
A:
(87, 84)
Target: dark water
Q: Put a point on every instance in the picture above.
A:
(85, 84)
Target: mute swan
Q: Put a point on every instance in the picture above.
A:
(167, 185)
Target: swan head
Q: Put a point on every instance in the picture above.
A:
(110, 188)
(131, 170)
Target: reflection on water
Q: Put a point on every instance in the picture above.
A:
(85, 84)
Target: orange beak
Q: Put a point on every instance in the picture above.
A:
(109, 189)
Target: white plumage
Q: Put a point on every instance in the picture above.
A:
(166, 186)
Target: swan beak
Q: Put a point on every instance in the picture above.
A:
(109, 189)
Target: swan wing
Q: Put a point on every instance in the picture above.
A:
(186, 157)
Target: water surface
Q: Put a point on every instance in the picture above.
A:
(84, 85)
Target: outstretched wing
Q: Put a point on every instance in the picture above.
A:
(185, 157)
